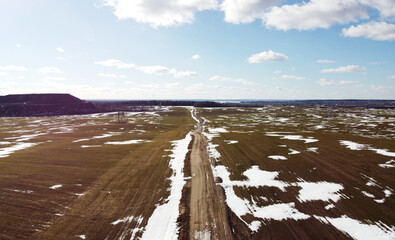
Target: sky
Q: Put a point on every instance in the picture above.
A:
(199, 49)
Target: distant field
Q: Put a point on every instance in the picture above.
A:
(305, 173)
(284, 172)
(79, 178)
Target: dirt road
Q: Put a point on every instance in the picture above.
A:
(208, 217)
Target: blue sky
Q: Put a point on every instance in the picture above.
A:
(199, 49)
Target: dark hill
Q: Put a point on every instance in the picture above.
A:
(20, 105)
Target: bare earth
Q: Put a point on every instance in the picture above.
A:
(208, 217)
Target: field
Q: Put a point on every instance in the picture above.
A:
(205, 173)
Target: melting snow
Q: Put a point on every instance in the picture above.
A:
(388, 164)
(277, 157)
(292, 137)
(279, 212)
(367, 194)
(163, 222)
(127, 142)
(56, 186)
(231, 141)
(293, 151)
(5, 152)
(90, 146)
(356, 146)
(324, 191)
(202, 235)
(125, 219)
(359, 230)
(329, 206)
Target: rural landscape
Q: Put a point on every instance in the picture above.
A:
(185, 172)
(197, 120)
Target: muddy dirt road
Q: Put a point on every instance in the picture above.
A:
(208, 219)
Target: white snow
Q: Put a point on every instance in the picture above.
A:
(5, 152)
(256, 178)
(277, 157)
(125, 219)
(312, 149)
(356, 146)
(163, 222)
(81, 140)
(127, 142)
(193, 114)
(388, 164)
(56, 186)
(90, 146)
(231, 141)
(367, 194)
(359, 230)
(279, 212)
(324, 191)
(217, 130)
(292, 137)
(387, 192)
(81, 236)
(202, 235)
(293, 151)
(329, 206)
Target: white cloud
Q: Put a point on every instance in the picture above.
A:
(314, 14)
(59, 58)
(161, 70)
(267, 56)
(172, 85)
(53, 79)
(160, 13)
(292, 77)
(196, 57)
(227, 79)
(184, 74)
(61, 50)
(107, 75)
(45, 70)
(158, 70)
(381, 31)
(391, 77)
(386, 8)
(343, 69)
(18, 45)
(12, 68)
(245, 11)
(277, 72)
(344, 82)
(325, 61)
(115, 63)
(154, 69)
(326, 82)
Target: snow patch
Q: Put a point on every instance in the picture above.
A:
(277, 157)
(359, 230)
(5, 152)
(324, 191)
(163, 222)
(356, 146)
(388, 164)
(202, 235)
(56, 186)
(127, 142)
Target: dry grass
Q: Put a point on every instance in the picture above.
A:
(118, 180)
(333, 163)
